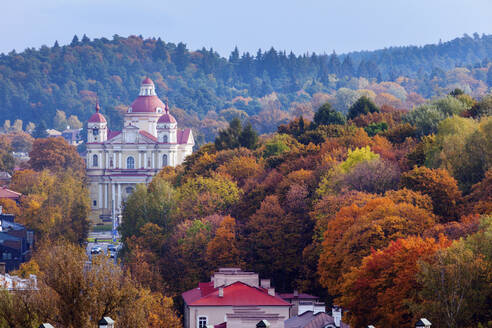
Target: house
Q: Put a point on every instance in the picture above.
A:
(15, 283)
(5, 178)
(52, 133)
(297, 299)
(313, 319)
(234, 299)
(9, 194)
(15, 242)
(73, 136)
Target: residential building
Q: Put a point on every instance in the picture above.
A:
(296, 299)
(5, 178)
(234, 299)
(16, 242)
(119, 160)
(9, 194)
(317, 319)
(73, 136)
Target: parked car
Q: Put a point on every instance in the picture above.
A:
(112, 251)
(96, 249)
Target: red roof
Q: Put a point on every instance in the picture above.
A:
(148, 135)
(97, 118)
(236, 294)
(147, 104)
(287, 296)
(183, 136)
(7, 193)
(166, 118)
(147, 81)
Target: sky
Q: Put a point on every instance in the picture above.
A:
(301, 26)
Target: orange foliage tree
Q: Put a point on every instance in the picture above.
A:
(440, 186)
(55, 154)
(356, 230)
(379, 291)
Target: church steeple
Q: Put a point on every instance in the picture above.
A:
(97, 127)
(147, 88)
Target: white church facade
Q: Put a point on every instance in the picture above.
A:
(118, 160)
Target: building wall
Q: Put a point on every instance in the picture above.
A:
(218, 314)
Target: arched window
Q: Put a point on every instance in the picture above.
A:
(129, 190)
(95, 161)
(164, 160)
(164, 138)
(130, 162)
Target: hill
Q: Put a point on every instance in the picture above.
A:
(206, 90)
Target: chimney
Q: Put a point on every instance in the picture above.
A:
(2, 267)
(265, 283)
(221, 291)
(271, 291)
(336, 313)
(296, 293)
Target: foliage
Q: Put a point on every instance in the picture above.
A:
(362, 106)
(440, 186)
(357, 156)
(325, 115)
(55, 154)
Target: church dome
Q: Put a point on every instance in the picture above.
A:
(166, 118)
(147, 101)
(97, 117)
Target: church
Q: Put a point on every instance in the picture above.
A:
(118, 160)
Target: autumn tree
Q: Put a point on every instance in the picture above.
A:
(200, 197)
(72, 292)
(440, 186)
(273, 241)
(155, 204)
(55, 154)
(356, 230)
(223, 250)
(388, 278)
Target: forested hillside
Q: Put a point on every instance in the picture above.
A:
(205, 90)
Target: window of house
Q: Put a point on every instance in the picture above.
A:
(130, 163)
(95, 161)
(202, 322)
(164, 160)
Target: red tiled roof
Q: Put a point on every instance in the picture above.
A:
(183, 136)
(148, 135)
(97, 118)
(166, 118)
(147, 104)
(236, 294)
(7, 193)
(221, 325)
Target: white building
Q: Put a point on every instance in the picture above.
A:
(118, 160)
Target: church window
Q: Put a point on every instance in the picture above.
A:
(129, 190)
(130, 163)
(130, 110)
(94, 203)
(164, 139)
(95, 132)
(95, 161)
(164, 160)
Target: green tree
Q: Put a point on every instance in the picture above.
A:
(248, 137)
(363, 105)
(326, 115)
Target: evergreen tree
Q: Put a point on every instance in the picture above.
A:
(326, 115)
(248, 137)
(40, 130)
(363, 105)
(75, 40)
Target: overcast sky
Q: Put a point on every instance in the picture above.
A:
(297, 25)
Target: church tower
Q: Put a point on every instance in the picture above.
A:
(97, 127)
(167, 127)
